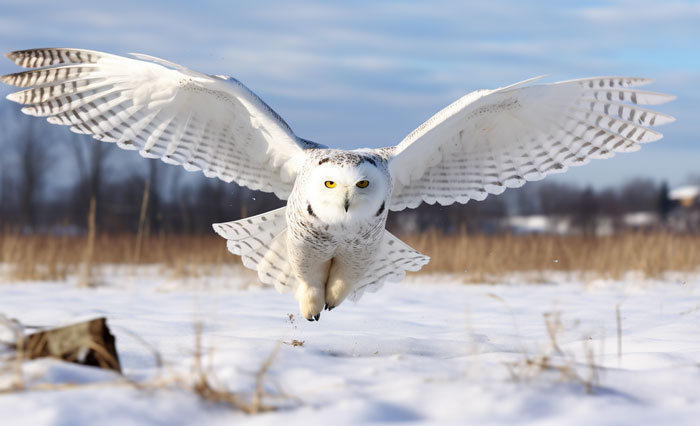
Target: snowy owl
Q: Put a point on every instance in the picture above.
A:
(330, 242)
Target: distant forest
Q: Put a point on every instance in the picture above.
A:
(48, 177)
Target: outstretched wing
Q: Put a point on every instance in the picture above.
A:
(491, 140)
(203, 122)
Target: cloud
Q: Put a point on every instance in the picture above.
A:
(643, 12)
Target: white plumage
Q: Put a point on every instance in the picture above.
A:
(329, 242)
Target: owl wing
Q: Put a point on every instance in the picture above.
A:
(202, 122)
(491, 140)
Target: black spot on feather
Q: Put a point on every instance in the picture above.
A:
(381, 209)
(372, 162)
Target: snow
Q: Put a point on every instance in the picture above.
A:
(641, 219)
(427, 350)
(685, 192)
(539, 224)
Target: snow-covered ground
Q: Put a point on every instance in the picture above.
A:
(427, 350)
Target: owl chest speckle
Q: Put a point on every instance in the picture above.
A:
(309, 233)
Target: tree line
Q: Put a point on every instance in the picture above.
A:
(48, 179)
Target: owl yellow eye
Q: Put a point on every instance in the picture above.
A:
(330, 184)
(362, 184)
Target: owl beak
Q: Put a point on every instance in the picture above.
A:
(347, 204)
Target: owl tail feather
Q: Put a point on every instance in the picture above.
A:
(393, 259)
(261, 241)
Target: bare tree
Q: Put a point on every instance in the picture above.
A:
(526, 199)
(5, 199)
(664, 204)
(558, 198)
(586, 212)
(33, 165)
(639, 195)
(90, 158)
(155, 215)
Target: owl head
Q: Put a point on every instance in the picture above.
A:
(347, 188)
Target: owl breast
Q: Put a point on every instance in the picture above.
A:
(338, 220)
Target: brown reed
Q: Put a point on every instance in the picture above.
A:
(52, 257)
(651, 253)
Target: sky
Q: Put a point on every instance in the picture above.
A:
(366, 73)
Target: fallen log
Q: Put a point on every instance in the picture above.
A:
(87, 343)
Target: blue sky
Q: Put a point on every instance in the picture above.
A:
(366, 73)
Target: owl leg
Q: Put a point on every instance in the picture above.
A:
(311, 300)
(311, 291)
(343, 274)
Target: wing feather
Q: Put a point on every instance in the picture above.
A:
(390, 263)
(491, 140)
(163, 110)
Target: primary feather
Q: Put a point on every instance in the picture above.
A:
(491, 140)
(165, 111)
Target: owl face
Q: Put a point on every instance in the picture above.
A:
(346, 192)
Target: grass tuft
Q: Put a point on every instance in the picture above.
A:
(202, 381)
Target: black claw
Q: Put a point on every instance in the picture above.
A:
(330, 308)
(317, 316)
(325, 308)
(310, 319)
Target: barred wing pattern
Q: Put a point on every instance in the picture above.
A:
(203, 122)
(261, 241)
(491, 140)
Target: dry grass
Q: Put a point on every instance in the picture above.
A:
(479, 257)
(483, 256)
(566, 365)
(208, 388)
(202, 380)
(553, 358)
(48, 257)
